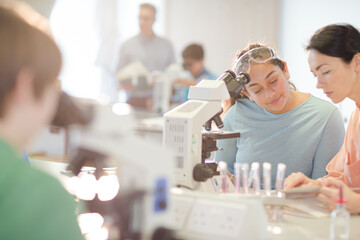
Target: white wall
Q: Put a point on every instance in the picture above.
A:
(90, 41)
(222, 26)
(299, 20)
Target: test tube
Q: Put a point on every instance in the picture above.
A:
(280, 175)
(223, 174)
(237, 172)
(244, 175)
(267, 178)
(256, 177)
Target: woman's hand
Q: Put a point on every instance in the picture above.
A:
(330, 193)
(299, 179)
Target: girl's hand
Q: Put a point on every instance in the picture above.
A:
(330, 193)
(299, 179)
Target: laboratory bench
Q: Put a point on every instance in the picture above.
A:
(308, 223)
(300, 228)
(150, 126)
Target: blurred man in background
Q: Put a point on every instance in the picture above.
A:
(155, 52)
(140, 55)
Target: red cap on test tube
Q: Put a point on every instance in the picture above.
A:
(341, 198)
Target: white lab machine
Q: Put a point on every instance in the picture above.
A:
(163, 87)
(162, 93)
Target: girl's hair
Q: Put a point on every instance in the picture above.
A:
(336, 40)
(23, 46)
(276, 61)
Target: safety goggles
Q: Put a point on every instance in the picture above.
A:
(258, 55)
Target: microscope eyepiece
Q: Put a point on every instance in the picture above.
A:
(243, 78)
(227, 76)
(234, 83)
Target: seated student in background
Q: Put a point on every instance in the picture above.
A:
(193, 62)
(33, 205)
(334, 58)
(278, 124)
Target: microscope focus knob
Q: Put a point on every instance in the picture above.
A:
(201, 172)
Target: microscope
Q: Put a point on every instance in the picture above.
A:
(201, 214)
(140, 209)
(188, 128)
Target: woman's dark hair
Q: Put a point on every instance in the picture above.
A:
(23, 46)
(336, 40)
(276, 61)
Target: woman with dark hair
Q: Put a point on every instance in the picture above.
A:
(334, 58)
(278, 124)
(32, 204)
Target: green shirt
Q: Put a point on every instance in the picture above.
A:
(33, 205)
